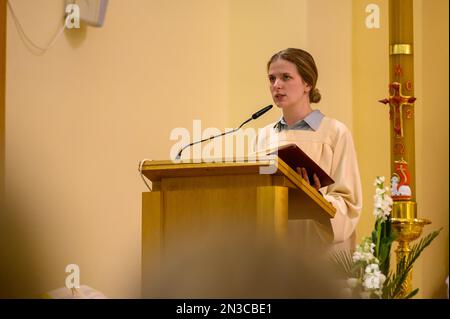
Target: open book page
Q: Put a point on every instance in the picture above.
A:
(294, 157)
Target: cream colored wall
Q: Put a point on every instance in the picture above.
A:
(261, 28)
(329, 25)
(80, 117)
(432, 130)
(258, 29)
(370, 71)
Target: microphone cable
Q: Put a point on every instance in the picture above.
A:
(141, 163)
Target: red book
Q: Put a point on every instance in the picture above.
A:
(294, 157)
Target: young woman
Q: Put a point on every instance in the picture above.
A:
(293, 76)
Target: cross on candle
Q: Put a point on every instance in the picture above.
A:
(397, 101)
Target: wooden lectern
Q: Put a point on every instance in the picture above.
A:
(187, 195)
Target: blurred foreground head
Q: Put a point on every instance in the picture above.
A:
(231, 262)
(18, 278)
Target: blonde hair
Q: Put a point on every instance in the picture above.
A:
(306, 67)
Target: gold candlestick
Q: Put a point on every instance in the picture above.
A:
(401, 114)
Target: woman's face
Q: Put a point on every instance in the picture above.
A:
(286, 85)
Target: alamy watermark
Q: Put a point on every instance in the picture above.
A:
(373, 19)
(73, 279)
(73, 16)
(238, 146)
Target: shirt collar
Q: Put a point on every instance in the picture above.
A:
(312, 120)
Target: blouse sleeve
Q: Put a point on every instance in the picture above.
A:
(345, 194)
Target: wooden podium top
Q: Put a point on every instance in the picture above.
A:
(157, 170)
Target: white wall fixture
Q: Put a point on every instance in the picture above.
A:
(92, 12)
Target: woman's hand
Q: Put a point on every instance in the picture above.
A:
(304, 174)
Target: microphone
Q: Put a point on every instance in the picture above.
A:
(254, 117)
(261, 112)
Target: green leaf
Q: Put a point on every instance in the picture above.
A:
(386, 240)
(395, 282)
(374, 234)
(344, 262)
(412, 294)
(385, 252)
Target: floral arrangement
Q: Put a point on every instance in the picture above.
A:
(368, 269)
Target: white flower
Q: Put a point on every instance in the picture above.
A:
(377, 213)
(386, 205)
(373, 277)
(388, 199)
(374, 281)
(369, 278)
(372, 268)
(357, 256)
(369, 246)
(378, 202)
(379, 181)
(364, 251)
(382, 203)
